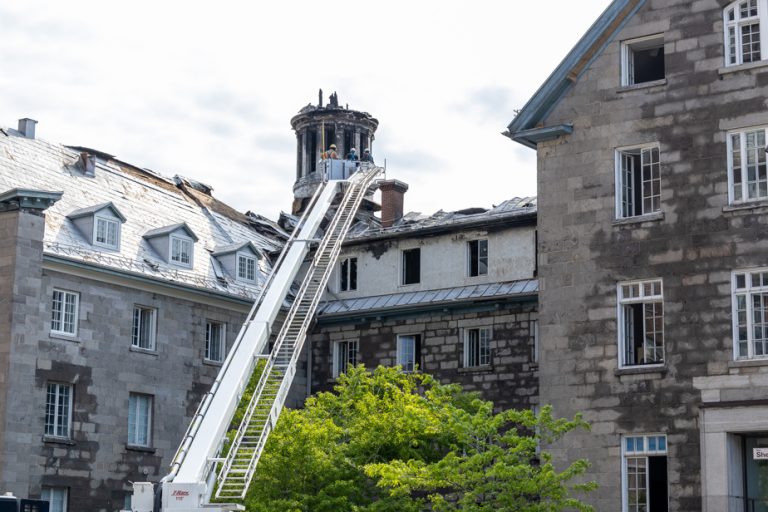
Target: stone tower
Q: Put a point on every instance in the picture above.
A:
(319, 126)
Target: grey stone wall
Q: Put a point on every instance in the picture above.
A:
(693, 246)
(511, 381)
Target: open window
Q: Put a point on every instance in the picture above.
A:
(411, 266)
(641, 323)
(642, 60)
(638, 181)
(644, 473)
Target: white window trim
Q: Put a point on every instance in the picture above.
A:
(480, 364)
(116, 222)
(46, 492)
(398, 361)
(152, 329)
(747, 290)
(70, 401)
(618, 178)
(191, 251)
(646, 453)
(222, 341)
(620, 319)
(76, 320)
(487, 257)
(729, 148)
(626, 52)
(247, 256)
(762, 19)
(336, 346)
(149, 420)
(349, 274)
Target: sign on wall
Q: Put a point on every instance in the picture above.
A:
(760, 453)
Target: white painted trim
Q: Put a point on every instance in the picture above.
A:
(108, 220)
(76, 320)
(628, 45)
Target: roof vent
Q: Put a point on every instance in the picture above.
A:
(27, 127)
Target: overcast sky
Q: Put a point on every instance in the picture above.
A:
(207, 89)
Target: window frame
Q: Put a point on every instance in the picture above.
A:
(625, 455)
(738, 23)
(62, 321)
(477, 252)
(534, 328)
(183, 240)
(108, 221)
(742, 133)
(350, 273)
(49, 498)
(476, 356)
(222, 327)
(627, 50)
(642, 298)
(349, 361)
(136, 330)
(749, 314)
(247, 258)
(408, 367)
(136, 441)
(404, 267)
(57, 405)
(620, 181)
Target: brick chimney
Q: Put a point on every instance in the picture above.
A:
(392, 192)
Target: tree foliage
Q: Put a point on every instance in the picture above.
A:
(392, 441)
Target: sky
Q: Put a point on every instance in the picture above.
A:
(206, 90)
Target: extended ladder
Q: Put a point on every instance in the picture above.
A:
(275, 382)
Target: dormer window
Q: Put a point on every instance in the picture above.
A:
(743, 31)
(175, 244)
(99, 224)
(246, 267)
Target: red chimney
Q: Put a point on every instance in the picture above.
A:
(392, 192)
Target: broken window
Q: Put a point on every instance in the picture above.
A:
(743, 38)
(144, 328)
(639, 181)
(643, 60)
(645, 486)
(214, 341)
(407, 350)
(477, 347)
(348, 275)
(58, 410)
(412, 266)
(312, 153)
(478, 257)
(641, 323)
(344, 356)
(64, 312)
(139, 420)
(747, 165)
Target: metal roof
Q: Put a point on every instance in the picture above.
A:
(444, 296)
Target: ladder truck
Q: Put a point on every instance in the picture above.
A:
(198, 474)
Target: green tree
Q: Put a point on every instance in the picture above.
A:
(392, 441)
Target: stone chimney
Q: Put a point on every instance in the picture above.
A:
(27, 127)
(392, 193)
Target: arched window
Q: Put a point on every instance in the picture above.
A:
(745, 29)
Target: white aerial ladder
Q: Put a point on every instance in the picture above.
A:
(197, 468)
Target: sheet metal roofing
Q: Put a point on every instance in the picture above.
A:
(445, 296)
(147, 200)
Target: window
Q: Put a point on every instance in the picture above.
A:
(344, 356)
(58, 410)
(214, 341)
(107, 233)
(644, 473)
(144, 327)
(407, 348)
(411, 266)
(642, 60)
(641, 323)
(750, 314)
(747, 175)
(477, 347)
(348, 275)
(477, 257)
(57, 498)
(743, 37)
(64, 312)
(181, 251)
(535, 335)
(638, 181)
(139, 420)
(246, 267)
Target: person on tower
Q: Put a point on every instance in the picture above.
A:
(352, 155)
(331, 153)
(367, 157)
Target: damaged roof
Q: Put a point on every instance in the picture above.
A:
(148, 201)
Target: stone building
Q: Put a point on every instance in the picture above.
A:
(652, 193)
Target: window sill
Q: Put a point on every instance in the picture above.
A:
(58, 440)
(144, 351)
(644, 85)
(63, 336)
(726, 70)
(487, 368)
(208, 362)
(142, 449)
(747, 207)
(746, 363)
(639, 219)
(660, 370)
